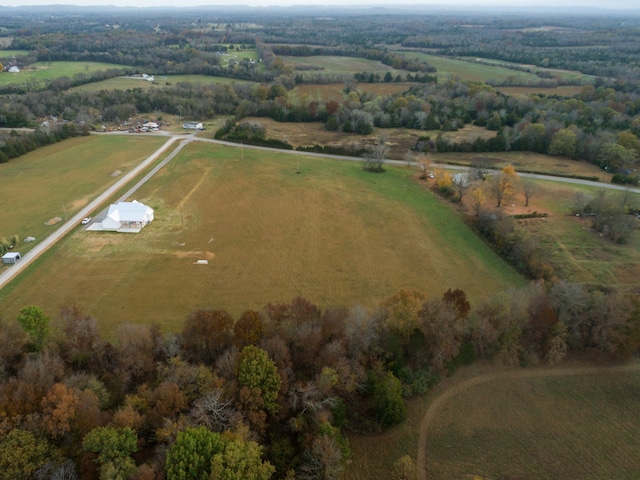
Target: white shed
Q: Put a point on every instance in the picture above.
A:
(11, 258)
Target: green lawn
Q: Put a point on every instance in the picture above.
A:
(42, 71)
(338, 65)
(58, 180)
(124, 83)
(332, 233)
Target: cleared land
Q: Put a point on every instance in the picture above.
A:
(332, 233)
(58, 180)
(42, 71)
(399, 140)
(487, 422)
(337, 65)
(124, 83)
(578, 426)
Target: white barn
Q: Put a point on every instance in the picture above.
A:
(129, 217)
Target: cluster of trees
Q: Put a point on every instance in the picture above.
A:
(269, 394)
(13, 145)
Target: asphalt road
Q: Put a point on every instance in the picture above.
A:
(13, 271)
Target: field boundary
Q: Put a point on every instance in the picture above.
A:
(432, 410)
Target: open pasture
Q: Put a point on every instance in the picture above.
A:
(566, 427)
(12, 53)
(124, 83)
(60, 179)
(552, 423)
(563, 90)
(332, 233)
(43, 71)
(338, 65)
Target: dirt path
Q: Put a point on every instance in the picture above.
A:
(434, 407)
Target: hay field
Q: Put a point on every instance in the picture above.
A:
(333, 91)
(338, 65)
(332, 233)
(61, 179)
(582, 426)
(490, 422)
(161, 81)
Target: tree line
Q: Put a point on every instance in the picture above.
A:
(269, 394)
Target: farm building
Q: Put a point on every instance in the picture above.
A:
(11, 258)
(193, 126)
(128, 217)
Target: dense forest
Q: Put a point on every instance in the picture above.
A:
(272, 393)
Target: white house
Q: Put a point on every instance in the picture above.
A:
(11, 258)
(129, 217)
(14, 69)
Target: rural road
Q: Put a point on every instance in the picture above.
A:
(13, 271)
(543, 372)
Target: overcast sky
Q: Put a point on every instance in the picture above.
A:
(615, 4)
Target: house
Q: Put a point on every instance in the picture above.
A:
(13, 69)
(11, 258)
(193, 126)
(128, 217)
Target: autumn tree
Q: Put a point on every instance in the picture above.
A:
(78, 338)
(59, 408)
(135, 353)
(503, 183)
(240, 460)
(248, 330)
(479, 196)
(206, 334)
(36, 325)
(564, 143)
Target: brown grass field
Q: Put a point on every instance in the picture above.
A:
(61, 179)
(333, 234)
(399, 140)
(337, 65)
(488, 422)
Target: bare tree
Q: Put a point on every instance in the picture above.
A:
(377, 155)
(529, 188)
(461, 182)
(214, 412)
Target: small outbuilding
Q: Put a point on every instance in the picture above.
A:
(193, 126)
(11, 258)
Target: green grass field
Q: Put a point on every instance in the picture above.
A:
(337, 65)
(561, 427)
(124, 83)
(62, 178)
(43, 71)
(12, 53)
(333, 234)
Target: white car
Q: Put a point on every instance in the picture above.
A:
(86, 220)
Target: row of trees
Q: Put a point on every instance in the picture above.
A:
(269, 394)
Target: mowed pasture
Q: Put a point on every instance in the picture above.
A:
(161, 81)
(60, 179)
(546, 423)
(44, 71)
(334, 91)
(338, 65)
(566, 427)
(332, 233)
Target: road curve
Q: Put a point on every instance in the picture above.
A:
(13, 271)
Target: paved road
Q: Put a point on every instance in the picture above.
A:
(10, 273)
